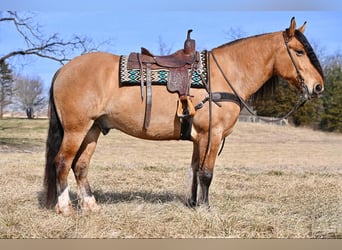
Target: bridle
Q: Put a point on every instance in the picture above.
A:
(304, 93)
(302, 86)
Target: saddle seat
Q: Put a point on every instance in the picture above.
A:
(176, 60)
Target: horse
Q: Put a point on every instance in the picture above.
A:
(86, 99)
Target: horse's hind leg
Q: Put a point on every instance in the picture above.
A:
(63, 161)
(81, 166)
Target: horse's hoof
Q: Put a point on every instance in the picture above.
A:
(65, 210)
(89, 205)
(190, 203)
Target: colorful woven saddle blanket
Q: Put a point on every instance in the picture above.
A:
(132, 77)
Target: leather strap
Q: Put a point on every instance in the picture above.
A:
(148, 96)
(141, 77)
(220, 97)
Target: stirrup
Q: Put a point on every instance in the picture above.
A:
(186, 111)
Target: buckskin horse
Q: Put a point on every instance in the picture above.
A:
(86, 98)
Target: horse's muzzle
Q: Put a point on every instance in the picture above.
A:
(316, 92)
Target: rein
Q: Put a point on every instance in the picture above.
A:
(302, 98)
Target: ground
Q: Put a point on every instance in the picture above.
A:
(269, 182)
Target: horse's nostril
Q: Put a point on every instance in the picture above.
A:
(318, 88)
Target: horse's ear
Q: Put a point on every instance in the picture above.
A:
(302, 28)
(291, 30)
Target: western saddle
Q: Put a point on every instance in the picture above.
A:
(180, 66)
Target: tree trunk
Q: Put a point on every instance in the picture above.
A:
(29, 113)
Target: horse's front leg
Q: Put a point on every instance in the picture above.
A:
(207, 158)
(191, 195)
(202, 168)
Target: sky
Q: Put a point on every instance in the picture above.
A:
(129, 25)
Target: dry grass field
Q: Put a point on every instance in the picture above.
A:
(269, 182)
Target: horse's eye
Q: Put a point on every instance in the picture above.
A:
(299, 52)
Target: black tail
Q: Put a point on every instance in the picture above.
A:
(53, 143)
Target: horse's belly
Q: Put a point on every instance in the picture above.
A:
(128, 115)
(160, 128)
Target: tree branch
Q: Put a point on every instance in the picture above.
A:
(53, 48)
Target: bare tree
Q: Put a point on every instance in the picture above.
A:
(163, 48)
(6, 87)
(235, 33)
(52, 47)
(28, 95)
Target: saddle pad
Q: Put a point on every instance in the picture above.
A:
(131, 77)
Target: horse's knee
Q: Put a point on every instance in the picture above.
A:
(205, 177)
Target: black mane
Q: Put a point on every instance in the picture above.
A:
(309, 51)
(266, 90)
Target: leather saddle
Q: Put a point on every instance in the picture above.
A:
(181, 58)
(179, 64)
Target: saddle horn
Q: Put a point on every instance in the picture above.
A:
(189, 44)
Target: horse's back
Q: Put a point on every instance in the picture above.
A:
(87, 70)
(83, 86)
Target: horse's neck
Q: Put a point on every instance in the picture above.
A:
(247, 64)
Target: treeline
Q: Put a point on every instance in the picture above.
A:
(323, 113)
(20, 93)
